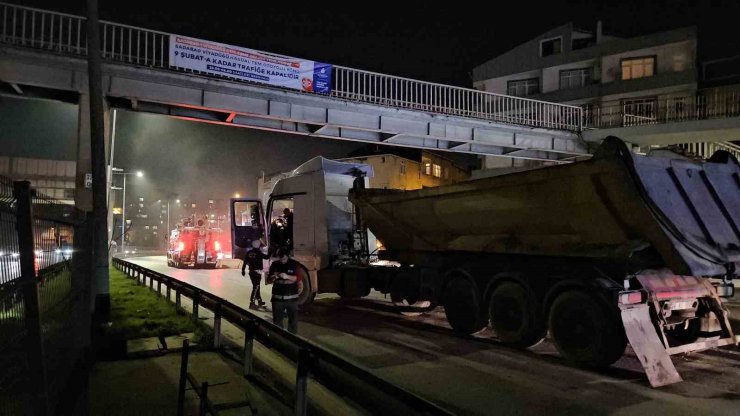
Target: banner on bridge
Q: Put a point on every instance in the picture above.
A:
(249, 65)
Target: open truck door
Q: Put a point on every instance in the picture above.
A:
(247, 225)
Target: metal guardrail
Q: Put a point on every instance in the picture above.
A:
(359, 384)
(706, 104)
(66, 34)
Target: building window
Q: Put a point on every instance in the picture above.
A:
(427, 166)
(141, 205)
(141, 199)
(210, 201)
(146, 227)
(524, 87)
(551, 46)
(575, 78)
(437, 171)
(679, 63)
(402, 167)
(634, 68)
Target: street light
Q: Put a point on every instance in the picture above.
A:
(119, 171)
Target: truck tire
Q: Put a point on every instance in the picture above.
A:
(585, 330)
(463, 306)
(414, 309)
(515, 317)
(307, 295)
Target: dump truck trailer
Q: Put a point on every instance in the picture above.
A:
(620, 248)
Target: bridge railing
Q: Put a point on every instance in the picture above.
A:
(66, 34)
(705, 150)
(703, 105)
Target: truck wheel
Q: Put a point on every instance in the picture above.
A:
(307, 295)
(585, 330)
(414, 309)
(515, 317)
(463, 308)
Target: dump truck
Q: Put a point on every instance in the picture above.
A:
(619, 248)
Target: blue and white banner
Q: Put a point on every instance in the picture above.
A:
(250, 65)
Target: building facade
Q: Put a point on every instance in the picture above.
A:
(393, 171)
(577, 67)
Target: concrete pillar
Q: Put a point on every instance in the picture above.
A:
(83, 196)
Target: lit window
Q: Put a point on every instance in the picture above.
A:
(551, 46)
(146, 227)
(155, 233)
(523, 87)
(210, 201)
(141, 199)
(192, 205)
(154, 227)
(638, 68)
(437, 171)
(141, 205)
(574, 78)
(427, 166)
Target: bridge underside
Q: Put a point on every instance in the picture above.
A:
(32, 74)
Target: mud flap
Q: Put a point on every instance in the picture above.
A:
(647, 345)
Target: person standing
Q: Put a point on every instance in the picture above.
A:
(253, 259)
(287, 283)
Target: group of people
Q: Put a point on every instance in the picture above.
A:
(286, 277)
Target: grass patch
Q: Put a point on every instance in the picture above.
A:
(137, 312)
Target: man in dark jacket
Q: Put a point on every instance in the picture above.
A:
(253, 259)
(286, 275)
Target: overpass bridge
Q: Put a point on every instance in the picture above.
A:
(42, 55)
(707, 118)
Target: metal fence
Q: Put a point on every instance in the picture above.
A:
(66, 34)
(705, 150)
(705, 104)
(343, 377)
(43, 302)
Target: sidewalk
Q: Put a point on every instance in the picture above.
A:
(149, 387)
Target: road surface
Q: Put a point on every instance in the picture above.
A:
(476, 375)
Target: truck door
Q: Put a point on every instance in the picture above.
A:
(246, 225)
(291, 223)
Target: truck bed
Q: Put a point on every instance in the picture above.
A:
(680, 214)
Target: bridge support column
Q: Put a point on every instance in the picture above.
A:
(83, 193)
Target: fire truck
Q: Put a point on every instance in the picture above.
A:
(194, 244)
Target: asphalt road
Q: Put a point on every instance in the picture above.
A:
(478, 376)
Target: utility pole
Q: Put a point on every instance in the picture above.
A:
(97, 156)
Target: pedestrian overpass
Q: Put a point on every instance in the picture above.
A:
(42, 54)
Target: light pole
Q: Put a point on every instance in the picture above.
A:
(119, 171)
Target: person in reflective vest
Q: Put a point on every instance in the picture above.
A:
(286, 276)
